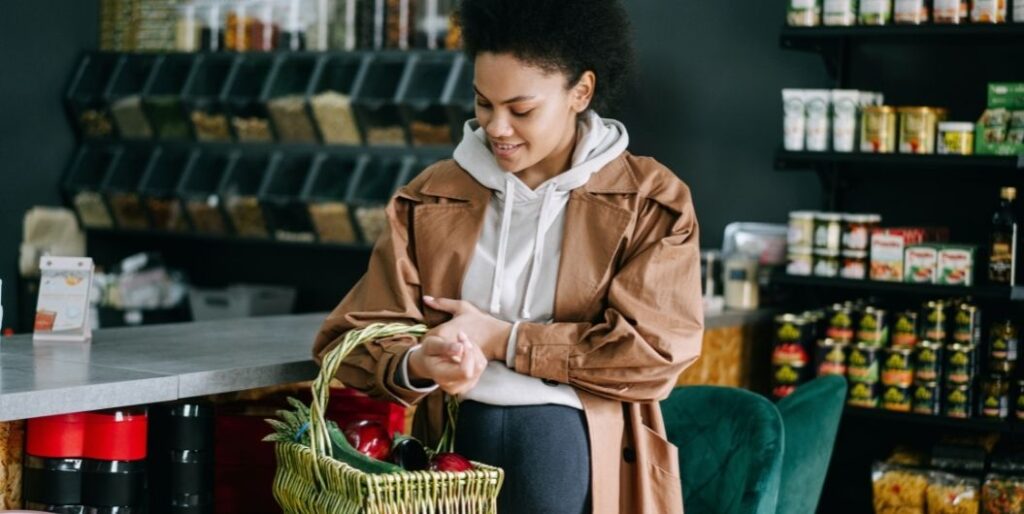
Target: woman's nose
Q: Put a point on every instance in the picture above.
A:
(498, 127)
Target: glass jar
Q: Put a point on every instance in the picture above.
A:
(188, 31)
(950, 12)
(854, 265)
(875, 12)
(878, 129)
(828, 232)
(841, 13)
(911, 12)
(239, 25)
(1003, 345)
(804, 13)
(995, 397)
(988, 11)
(857, 231)
(263, 32)
(801, 231)
(211, 30)
(295, 28)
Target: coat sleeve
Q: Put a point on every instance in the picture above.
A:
(652, 324)
(389, 292)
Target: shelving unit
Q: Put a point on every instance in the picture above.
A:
(912, 65)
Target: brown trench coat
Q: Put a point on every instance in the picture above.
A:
(627, 317)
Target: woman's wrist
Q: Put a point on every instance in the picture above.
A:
(417, 368)
(499, 345)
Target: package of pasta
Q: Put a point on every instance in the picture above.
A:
(953, 494)
(898, 489)
(1002, 494)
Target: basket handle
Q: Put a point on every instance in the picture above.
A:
(319, 440)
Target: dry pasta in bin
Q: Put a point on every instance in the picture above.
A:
(1002, 494)
(952, 494)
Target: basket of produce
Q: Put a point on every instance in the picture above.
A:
(322, 469)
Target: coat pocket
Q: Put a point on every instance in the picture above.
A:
(663, 492)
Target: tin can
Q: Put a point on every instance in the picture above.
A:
(967, 324)
(1003, 344)
(926, 398)
(840, 323)
(898, 368)
(896, 398)
(933, 321)
(793, 328)
(918, 126)
(830, 358)
(995, 397)
(863, 395)
(862, 364)
(878, 129)
(957, 401)
(928, 361)
(872, 328)
(960, 362)
(904, 329)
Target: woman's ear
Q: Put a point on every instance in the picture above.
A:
(583, 91)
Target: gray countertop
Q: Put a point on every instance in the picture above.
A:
(133, 366)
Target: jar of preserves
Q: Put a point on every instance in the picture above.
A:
(955, 138)
(950, 11)
(854, 265)
(911, 12)
(989, 11)
(857, 231)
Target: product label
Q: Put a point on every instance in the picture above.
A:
(887, 257)
(874, 6)
(920, 264)
(926, 366)
(955, 266)
(909, 8)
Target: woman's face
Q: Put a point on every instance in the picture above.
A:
(528, 114)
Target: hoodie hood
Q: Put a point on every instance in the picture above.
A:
(598, 142)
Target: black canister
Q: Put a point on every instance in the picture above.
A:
(113, 483)
(926, 398)
(52, 481)
(928, 361)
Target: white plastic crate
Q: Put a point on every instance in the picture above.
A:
(240, 301)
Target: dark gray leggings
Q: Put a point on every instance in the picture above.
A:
(544, 450)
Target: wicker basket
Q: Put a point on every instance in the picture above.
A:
(309, 480)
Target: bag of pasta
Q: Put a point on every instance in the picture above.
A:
(898, 489)
(1002, 494)
(953, 494)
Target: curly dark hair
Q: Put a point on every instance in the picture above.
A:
(568, 36)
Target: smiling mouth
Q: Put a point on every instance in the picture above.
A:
(504, 149)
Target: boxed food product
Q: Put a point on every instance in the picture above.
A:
(898, 489)
(887, 247)
(1008, 95)
(920, 264)
(956, 265)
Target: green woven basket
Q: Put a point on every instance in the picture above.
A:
(309, 480)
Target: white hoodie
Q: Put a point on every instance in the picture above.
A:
(514, 267)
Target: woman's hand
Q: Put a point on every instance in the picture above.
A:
(490, 333)
(455, 365)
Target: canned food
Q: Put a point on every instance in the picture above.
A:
(787, 374)
(898, 368)
(1019, 408)
(926, 397)
(828, 232)
(830, 358)
(862, 365)
(1003, 345)
(904, 329)
(995, 397)
(955, 138)
(878, 129)
(815, 323)
(863, 395)
(782, 391)
(800, 263)
(792, 328)
(933, 321)
(856, 231)
(826, 264)
(872, 327)
(801, 231)
(928, 361)
(967, 324)
(840, 323)
(896, 398)
(917, 128)
(960, 363)
(957, 402)
(854, 265)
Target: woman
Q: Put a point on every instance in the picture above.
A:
(559, 274)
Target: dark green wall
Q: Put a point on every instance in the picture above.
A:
(39, 43)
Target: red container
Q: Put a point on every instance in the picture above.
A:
(116, 435)
(58, 437)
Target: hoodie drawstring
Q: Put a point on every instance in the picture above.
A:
(538, 250)
(506, 225)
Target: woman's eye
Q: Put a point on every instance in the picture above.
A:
(522, 114)
(483, 105)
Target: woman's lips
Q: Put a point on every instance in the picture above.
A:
(504, 150)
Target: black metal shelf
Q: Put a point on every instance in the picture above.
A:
(1002, 166)
(207, 239)
(816, 39)
(886, 417)
(993, 292)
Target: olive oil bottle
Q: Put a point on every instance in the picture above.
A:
(1002, 264)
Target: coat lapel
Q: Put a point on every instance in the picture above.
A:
(595, 230)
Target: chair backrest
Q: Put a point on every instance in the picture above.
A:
(730, 449)
(811, 417)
